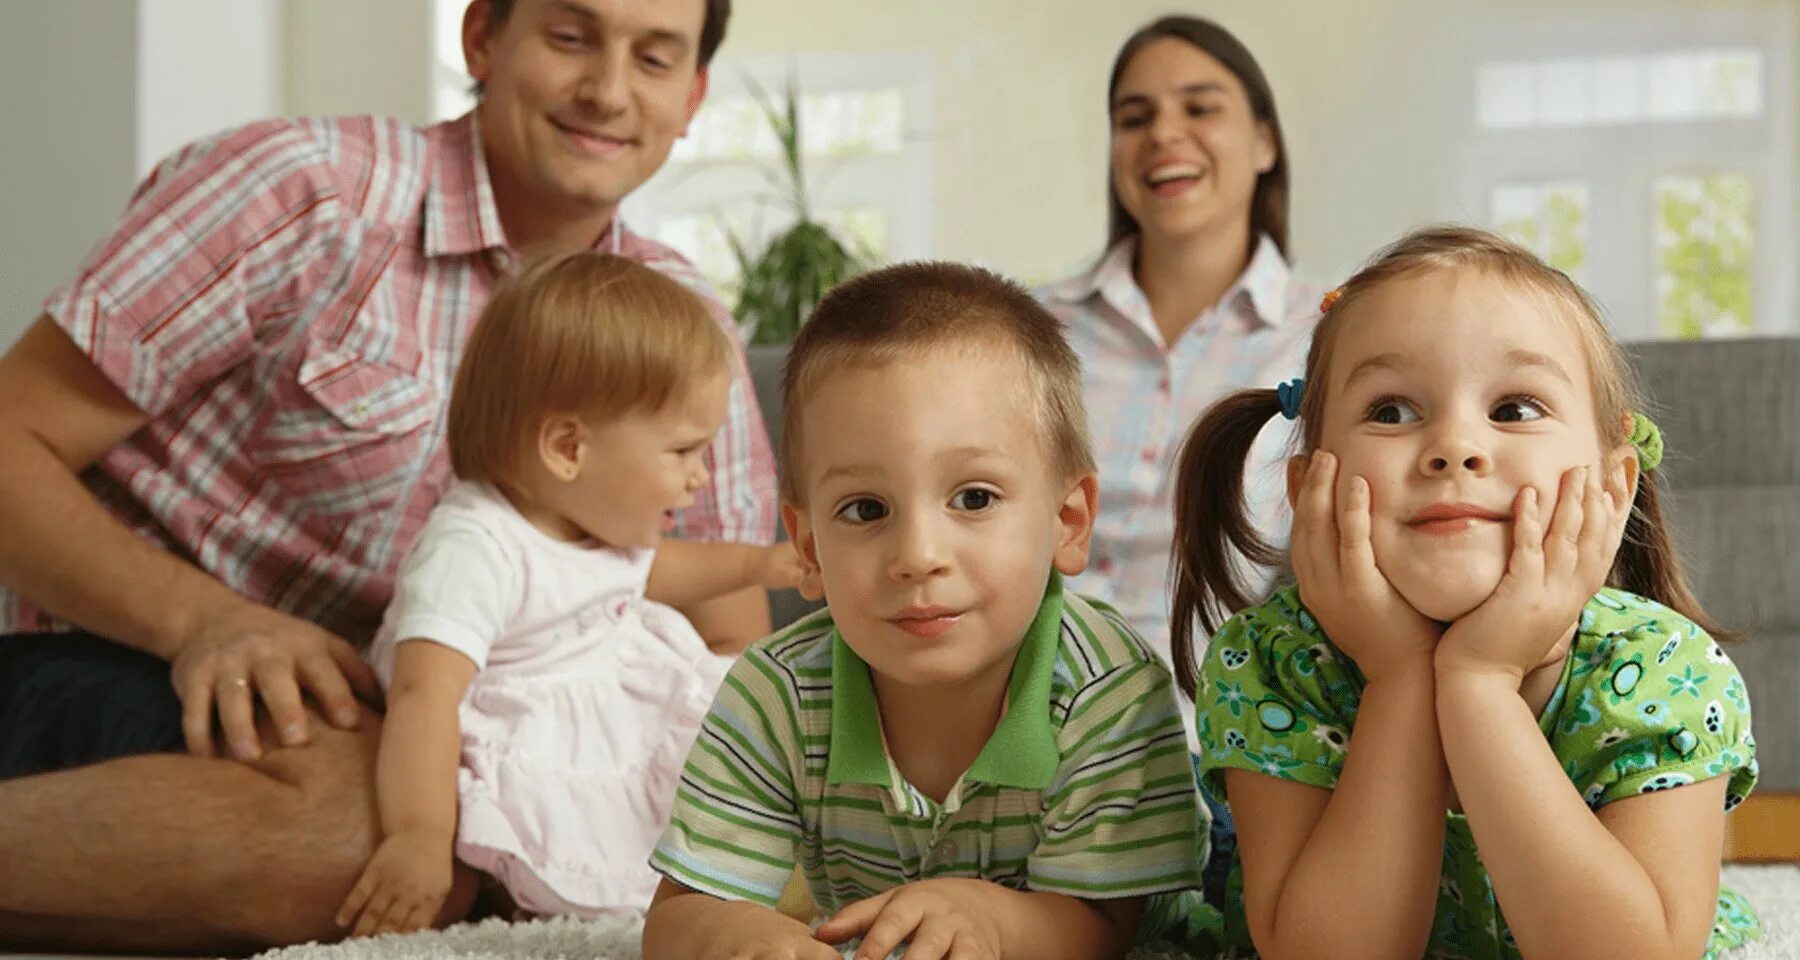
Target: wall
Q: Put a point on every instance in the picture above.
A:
(1020, 129)
(67, 72)
(95, 92)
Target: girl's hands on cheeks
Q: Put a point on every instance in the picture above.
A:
(1550, 575)
(936, 919)
(1340, 584)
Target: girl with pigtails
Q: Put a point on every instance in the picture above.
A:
(1490, 719)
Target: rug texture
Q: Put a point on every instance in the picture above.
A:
(1774, 890)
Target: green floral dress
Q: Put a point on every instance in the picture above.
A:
(1647, 701)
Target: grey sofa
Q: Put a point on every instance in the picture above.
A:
(1730, 416)
(1730, 413)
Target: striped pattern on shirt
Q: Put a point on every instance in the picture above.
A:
(1112, 812)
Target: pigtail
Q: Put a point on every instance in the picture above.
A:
(1649, 564)
(1212, 522)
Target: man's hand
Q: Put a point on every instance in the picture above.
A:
(251, 652)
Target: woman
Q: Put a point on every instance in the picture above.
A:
(1192, 299)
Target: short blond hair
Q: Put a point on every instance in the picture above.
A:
(574, 331)
(895, 312)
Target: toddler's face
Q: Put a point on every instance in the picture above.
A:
(931, 513)
(1450, 391)
(640, 467)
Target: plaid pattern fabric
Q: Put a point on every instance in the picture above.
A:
(1143, 395)
(288, 301)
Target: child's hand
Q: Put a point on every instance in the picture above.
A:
(1340, 584)
(780, 567)
(403, 887)
(935, 918)
(1550, 576)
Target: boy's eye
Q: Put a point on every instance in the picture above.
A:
(864, 510)
(1392, 410)
(973, 499)
(1517, 410)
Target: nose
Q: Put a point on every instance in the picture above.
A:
(1455, 446)
(919, 551)
(1167, 126)
(605, 83)
(699, 476)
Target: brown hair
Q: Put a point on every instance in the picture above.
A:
(575, 331)
(1269, 205)
(1212, 521)
(894, 312)
(712, 29)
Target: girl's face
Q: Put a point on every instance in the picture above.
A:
(1186, 149)
(1450, 391)
(617, 479)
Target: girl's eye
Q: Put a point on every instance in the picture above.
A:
(566, 39)
(974, 499)
(1199, 110)
(1517, 410)
(1392, 410)
(863, 510)
(1132, 121)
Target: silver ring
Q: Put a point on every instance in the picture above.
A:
(240, 683)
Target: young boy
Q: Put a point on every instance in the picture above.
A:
(961, 756)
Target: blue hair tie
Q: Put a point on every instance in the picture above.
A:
(1290, 394)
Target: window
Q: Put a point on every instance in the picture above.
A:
(862, 123)
(1653, 162)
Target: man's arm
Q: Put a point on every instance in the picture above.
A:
(65, 553)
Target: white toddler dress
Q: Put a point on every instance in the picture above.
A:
(585, 702)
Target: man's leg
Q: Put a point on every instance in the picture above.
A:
(173, 852)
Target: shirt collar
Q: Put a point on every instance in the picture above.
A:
(460, 215)
(1264, 281)
(1021, 752)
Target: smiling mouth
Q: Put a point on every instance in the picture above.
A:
(927, 623)
(1455, 518)
(1173, 179)
(588, 141)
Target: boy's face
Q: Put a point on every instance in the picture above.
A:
(932, 519)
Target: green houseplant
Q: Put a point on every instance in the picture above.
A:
(785, 279)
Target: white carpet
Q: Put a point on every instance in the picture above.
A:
(1774, 890)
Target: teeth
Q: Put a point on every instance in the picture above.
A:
(1162, 175)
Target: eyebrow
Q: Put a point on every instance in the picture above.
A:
(1383, 361)
(663, 35)
(1133, 99)
(1530, 358)
(963, 454)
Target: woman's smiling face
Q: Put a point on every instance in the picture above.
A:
(1186, 147)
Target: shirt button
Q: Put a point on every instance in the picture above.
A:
(1163, 384)
(1104, 565)
(1149, 454)
(362, 408)
(943, 855)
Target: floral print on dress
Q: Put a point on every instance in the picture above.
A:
(1647, 702)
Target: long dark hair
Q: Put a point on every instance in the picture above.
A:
(1212, 521)
(1269, 206)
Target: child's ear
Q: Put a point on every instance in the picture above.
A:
(563, 445)
(1296, 475)
(1075, 525)
(1624, 457)
(799, 530)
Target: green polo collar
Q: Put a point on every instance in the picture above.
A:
(1022, 751)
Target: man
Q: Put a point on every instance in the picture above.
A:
(218, 441)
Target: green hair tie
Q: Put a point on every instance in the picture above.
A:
(1647, 440)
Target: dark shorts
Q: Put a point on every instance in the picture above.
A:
(71, 699)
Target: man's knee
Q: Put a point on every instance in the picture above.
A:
(319, 831)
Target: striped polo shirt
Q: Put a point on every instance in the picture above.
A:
(1084, 788)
